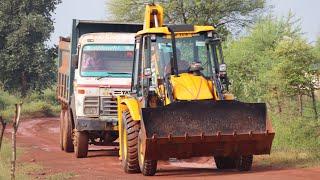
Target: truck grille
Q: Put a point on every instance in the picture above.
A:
(108, 106)
(91, 106)
(91, 101)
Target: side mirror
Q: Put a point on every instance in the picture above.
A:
(74, 60)
(223, 68)
(147, 72)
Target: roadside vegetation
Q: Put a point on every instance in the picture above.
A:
(24, 170)
(35, 105)
(273, 63)
(27, 69)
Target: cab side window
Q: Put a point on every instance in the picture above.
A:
(145, 61)
(136, 64)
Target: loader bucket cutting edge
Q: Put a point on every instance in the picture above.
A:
(205, 128)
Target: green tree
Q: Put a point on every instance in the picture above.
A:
(250, 59)
(234, 13)
(26, 63)
(273, 64)
(296, 59)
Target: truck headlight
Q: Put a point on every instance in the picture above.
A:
(91, 111)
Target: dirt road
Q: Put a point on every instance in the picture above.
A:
(40, 139)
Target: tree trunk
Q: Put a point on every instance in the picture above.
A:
(278, 101)
(183, 13)
(23, 84)
(3, 127)
(300, 104)
(314, 104)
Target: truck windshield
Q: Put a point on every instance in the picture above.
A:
(107, 60)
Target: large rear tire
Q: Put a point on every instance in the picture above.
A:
(61, 128)
(244, 163)
(129, 144)
(81, 144)
(67, 132)
(225, 162)
(147, 167)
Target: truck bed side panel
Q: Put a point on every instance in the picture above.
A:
(63, 87)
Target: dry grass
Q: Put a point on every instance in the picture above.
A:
(288, 159)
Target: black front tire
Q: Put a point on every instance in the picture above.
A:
(81, 144)
(244, 163)
(130, 162)
(61, 128)
(67, 132)
(225, 162)
(149, 167)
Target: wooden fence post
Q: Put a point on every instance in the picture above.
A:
(3, 127)
(15, 125)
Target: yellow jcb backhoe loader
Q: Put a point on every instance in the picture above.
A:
(179, 105)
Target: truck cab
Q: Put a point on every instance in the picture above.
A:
(95, 66)
(104, 67)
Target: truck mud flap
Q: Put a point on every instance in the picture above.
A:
(205, 128)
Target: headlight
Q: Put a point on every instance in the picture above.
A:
(91, 111)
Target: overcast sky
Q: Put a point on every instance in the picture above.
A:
(307, 10)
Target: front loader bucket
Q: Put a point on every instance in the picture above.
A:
(205, 128)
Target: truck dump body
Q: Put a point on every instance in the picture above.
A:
(63, 87)
(205, 128)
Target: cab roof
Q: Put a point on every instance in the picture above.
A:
(176, 28)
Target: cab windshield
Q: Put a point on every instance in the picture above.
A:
(193, 49)
(107, 60)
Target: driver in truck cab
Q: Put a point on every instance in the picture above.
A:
(92, 61)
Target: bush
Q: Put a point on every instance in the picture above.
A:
(34, 105)
(296, 133)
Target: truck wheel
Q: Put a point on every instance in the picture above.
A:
(129, 144)
(61, 129)
(81, 144)
(225, 162)
(244, 163)
(67, 132)
(147, 167)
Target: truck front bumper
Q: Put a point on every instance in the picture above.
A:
(95, 124)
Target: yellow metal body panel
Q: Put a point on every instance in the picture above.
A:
(164, 30)
(214, 90)
(191, 87)
(228, 96)
(131, 104)
(126, 103)
(149, 18)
